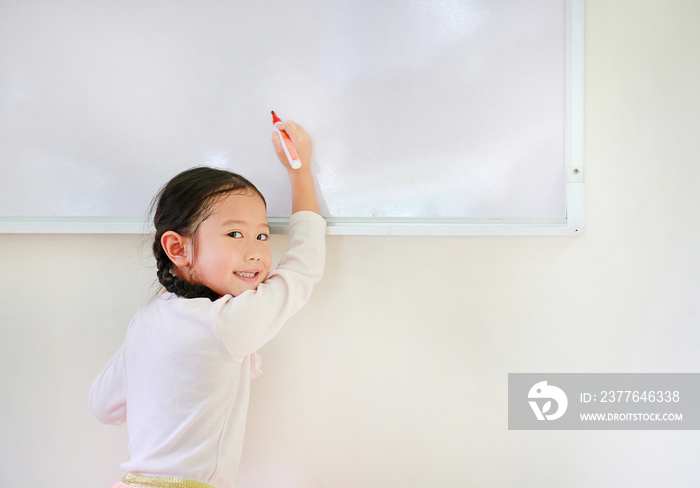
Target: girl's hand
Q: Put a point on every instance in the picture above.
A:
(301, 180)
(300, 139)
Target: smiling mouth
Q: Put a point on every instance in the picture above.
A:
(246, 274)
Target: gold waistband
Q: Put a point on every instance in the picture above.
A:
(143, 481)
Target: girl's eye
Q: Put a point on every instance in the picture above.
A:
(235, 234)
(262, 237)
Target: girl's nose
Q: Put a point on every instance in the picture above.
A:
(253, 253)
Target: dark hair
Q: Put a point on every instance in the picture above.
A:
(180, 206)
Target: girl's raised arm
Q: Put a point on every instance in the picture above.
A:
(301, 180)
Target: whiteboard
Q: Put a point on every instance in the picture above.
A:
(428, 117)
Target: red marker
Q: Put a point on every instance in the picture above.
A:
(287, 144)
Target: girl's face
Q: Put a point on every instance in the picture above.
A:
(232, 252)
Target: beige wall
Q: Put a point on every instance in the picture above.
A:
(395, 375)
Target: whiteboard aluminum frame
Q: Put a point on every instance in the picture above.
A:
(571, 225)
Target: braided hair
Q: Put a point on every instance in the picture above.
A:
(180, 206)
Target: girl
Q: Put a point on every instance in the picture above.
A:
(181, 379)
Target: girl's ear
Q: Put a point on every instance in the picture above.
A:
(176, 247)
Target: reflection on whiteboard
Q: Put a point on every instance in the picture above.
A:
(417, 108)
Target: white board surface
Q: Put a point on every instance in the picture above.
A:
(433, 117)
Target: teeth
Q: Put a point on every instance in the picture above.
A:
(245, 275)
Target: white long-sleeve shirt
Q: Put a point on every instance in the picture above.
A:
(181, 379)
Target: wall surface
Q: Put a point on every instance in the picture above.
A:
(395, 374)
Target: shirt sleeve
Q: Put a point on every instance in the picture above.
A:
(246, 322)
(108, 392)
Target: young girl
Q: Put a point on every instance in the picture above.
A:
(181, 380)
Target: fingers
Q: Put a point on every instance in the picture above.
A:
(296, 133)
(279, 150)
(300, 138)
